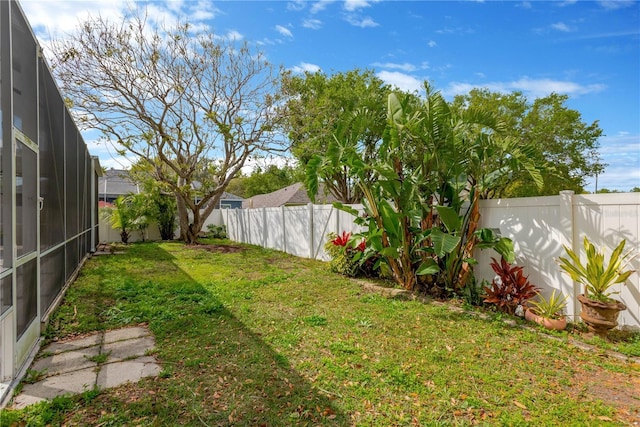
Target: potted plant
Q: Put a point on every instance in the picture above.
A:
(599, 310)
(548, 312)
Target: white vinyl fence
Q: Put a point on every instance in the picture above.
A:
(539, 227)
(107, 234)
(298, 230)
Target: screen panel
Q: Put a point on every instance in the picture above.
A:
(6, 255)
(71, 177)
(25, 81)
(6, 294)
(51, 161)
(26, 295)
(52, 277)
(26, 199)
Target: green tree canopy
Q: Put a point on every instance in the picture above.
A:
(319, 106)
(265, 180)
(562, 145)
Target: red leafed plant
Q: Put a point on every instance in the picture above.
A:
(362, 245)
(342, 239)
(510, 288)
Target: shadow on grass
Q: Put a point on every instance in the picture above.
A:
(216, 371)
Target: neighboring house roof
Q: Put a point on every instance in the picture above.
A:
(295, 194)
(229, 196)
(116, 182)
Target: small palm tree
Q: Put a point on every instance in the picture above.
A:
(122, 217)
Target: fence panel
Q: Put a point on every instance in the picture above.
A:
(535, 226)
(540, 226)
(297, 237)
(607, 219)
(107, 234)
(325, 221)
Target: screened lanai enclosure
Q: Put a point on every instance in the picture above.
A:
(48, 193)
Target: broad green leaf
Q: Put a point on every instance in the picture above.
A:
(450, 218)
(390, 219)
(443, 243)
(390, 252)
(394, 109)
(504, 247)
(346, 208)
(311, 176)
(427, 267)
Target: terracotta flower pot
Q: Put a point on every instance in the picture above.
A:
(600, 317)
(555, 324)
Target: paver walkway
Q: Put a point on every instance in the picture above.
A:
(103, 360)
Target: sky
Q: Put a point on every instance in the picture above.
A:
(588, 50)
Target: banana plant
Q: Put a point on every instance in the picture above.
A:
(429, 163)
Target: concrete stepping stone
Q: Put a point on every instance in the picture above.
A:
(115, 374)
(74, 382)
(127, 349)
(72, 344)
(125, 334)
(66, 362)
(71, 367)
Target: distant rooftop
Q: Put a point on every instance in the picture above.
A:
(292, 195)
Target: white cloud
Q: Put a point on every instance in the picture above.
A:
(616, 4)
(320, 5)
(621, 153)
(404, 67)
(202, 10)
(542, 87)
(432, 43)
(353, 5)
(55, 18)
(561, 26)
(284, 31)
(366, 22)
(264, 162)
(234, 35)
(402, 81)
(313, 24)
(456, 30)
(52, 18)
(296, 5)
(534, 88)
(304, 66)
(106, 151)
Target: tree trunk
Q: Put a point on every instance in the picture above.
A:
(189, 230)
(183, 217)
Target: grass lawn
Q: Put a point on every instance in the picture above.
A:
(249, 336)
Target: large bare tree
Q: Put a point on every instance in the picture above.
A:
(194, 105)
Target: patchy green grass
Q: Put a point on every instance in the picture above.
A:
(248, 336)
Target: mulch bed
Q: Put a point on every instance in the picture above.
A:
(224, 249)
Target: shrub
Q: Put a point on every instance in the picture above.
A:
(510, 288)
(346, 256)
(217, 231)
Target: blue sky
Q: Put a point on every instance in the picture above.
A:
(589, 50)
